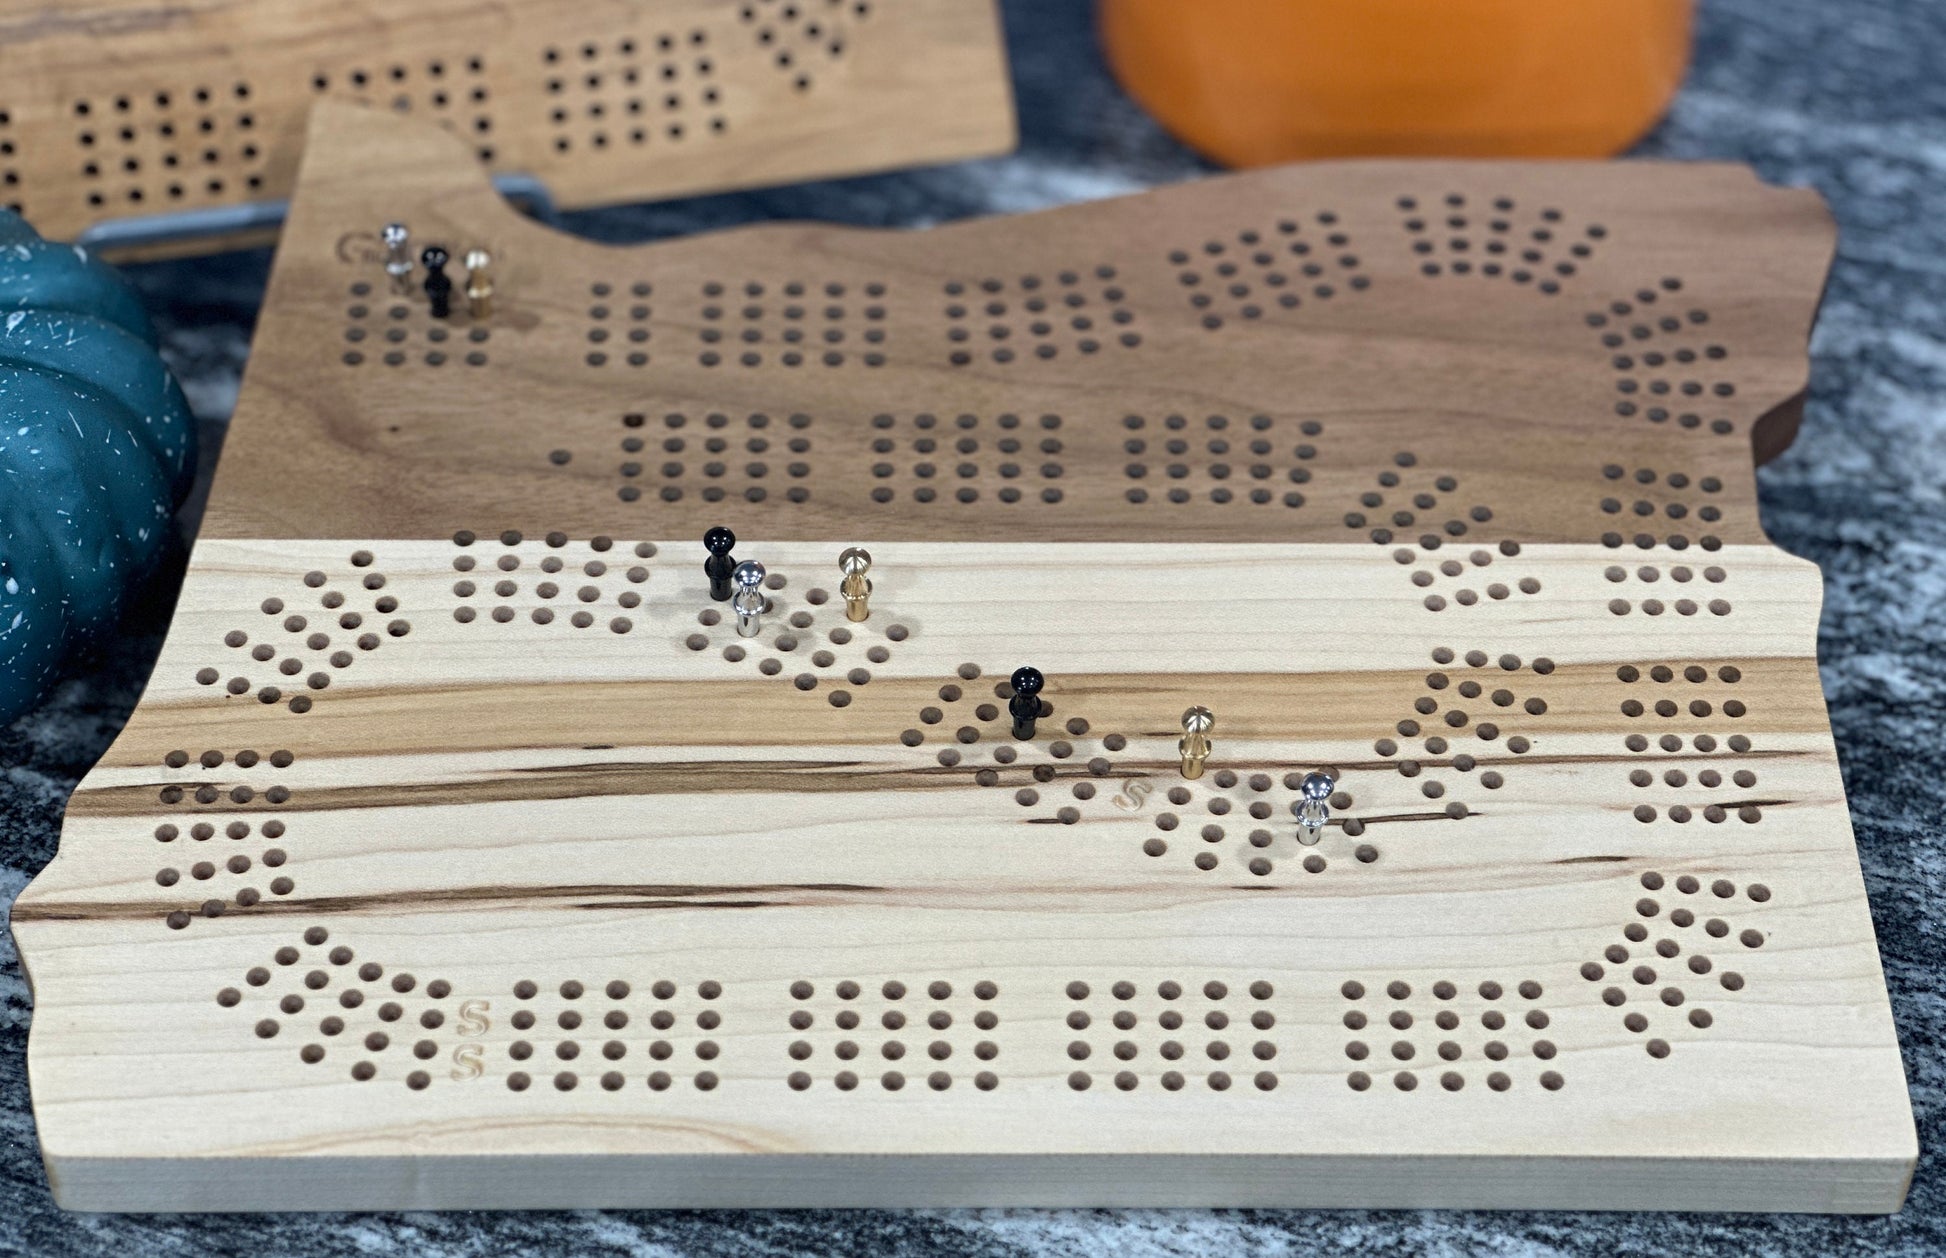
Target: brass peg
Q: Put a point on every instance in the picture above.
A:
(1195, 745)
(479, 283)
(857, 591)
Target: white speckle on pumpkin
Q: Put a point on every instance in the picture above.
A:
(14, 320)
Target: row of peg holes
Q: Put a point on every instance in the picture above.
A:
(120, 118)
(758, 441)
(1125, 1020)
(237, 864)
(1448, 1021)
(404, 317)
(616, 95)
(1077, 312)
(894, 1020)
(570, 1018)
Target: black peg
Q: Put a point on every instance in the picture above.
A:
(1025, 705)
(719, 565)
(439, 285)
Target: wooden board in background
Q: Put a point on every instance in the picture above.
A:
(461, 853)
(124, 110)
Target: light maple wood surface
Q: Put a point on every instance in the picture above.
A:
(462, 854)
(126, 110)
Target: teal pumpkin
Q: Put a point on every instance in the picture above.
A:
(97, 449)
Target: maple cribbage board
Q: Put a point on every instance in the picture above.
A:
(119, 109)
(462, 854)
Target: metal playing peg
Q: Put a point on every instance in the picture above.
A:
(1195, 745)
(1313, 809)
(748, 602)
(856, 588)
(479, 283)
(398, 256)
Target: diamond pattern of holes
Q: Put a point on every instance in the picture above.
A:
(1409, 510)
(1496, 238)
(1246, 818)
(1038, 316)
(207, 854)
(1447, 1032)
(792, 324)
(1249, 461)
(355, 1016)
(789, 644)
(1669, 970)
(1689, 694)
(618, 317)
(800, 34)
(9, 177)
(965, 458)
(927, 1036)
(304, 651)
(1257, 272)
(168, 147)
(1658, 355)
(1032, 770)
(577, 584)
(396, 330)
(615, 1035)
(715, 457)
(621, 94)
(452, 93)
(1644, 494)
(979, 734)
(1462, 691)
(1172, 1035)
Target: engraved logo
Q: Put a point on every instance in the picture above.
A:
(360, 248)
(1134, 793)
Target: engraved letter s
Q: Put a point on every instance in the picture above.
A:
(468, 1062)
(472, 1017)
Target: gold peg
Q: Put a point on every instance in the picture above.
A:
(1195, 745)
(479, 283)
(857, 591)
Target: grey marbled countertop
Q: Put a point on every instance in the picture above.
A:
(1847, 98)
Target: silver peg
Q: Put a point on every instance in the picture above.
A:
(1314, 809)
(398, 256)
(748, 602)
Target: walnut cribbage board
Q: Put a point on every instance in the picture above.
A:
(122, 108)
(461, 853)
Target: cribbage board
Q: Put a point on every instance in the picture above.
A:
(462, 852)
(118, 109)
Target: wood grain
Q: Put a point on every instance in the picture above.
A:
(462, 854)
(124, 110)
